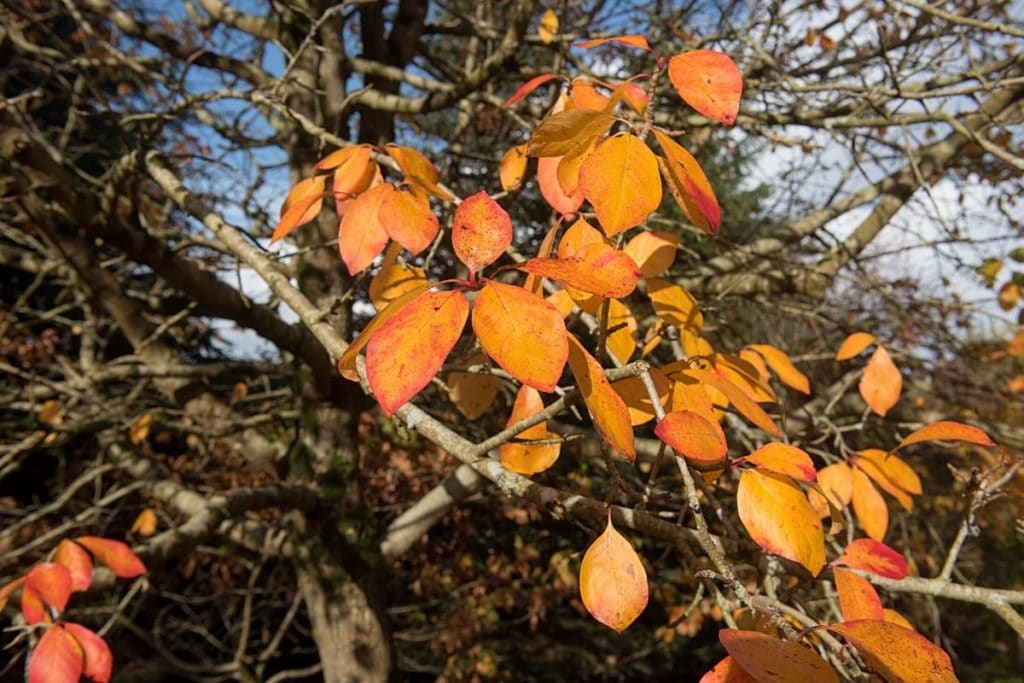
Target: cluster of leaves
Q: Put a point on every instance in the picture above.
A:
(66, 651)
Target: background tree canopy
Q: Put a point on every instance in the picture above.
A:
(158, 354)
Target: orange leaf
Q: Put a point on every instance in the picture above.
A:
(145, 524)
(836, 482)
(709, 81)
(689, 186)
(528, 87)
(632, 40)
(608, 410)
(894, 617)
(473, 393)
(547, 180)
(481, 231)
(354, 172)
(895, 470)
(99, 662)
(533, 283)
(858, 599)
(783, 367)
(548, 28)
(869, 506)
(637, 398)
(408, 350)
(695, 437)
(562, 132)
(744, 375)
(784, 459)
(418, 169)
(689, 394)
(873, 556)
(512, 168)
(675, 305)
(51, 582)
(568, 171)
(57, 658)
(636, 97)
(117, 556)
(523, 333)
(769, 659)
(727, 671)
(78, 563)
(526, 458)
(584, 95)
(7, 591)
(756, 361)
(300, 206)
(621, 342)
(778, 517)
(897, 653)
(621, 180)
(948, 431)
(598, 269)
(361, 234)
(854, 344)
(393, 281)
(739, 400)
(408, 220)
(140, 429)
(613, 582)
(33, 608)
(881, 383)
(653, 252)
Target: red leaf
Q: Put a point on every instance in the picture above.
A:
(769, 659)
(52, 582)
(32, 606)
(689, 185)
(873, 556)
(117, 556)
(696, 437)
(408, 350)
(897, 653)
(948, 431)
(857, 597)
(99, 662)
(709, 81)
(58, 658)
(528, 87)
(481, 231)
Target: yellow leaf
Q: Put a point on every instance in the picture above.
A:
(621, 342)
(392, 281)
(620, 179)
(563, 132)
(548, 28)
(145, 524)
(778, 517)
(689, 186)
(606, 407)
(881, 383)
(523, 333)
(547, 181)
(836, 482)
(140, 429)
(653, 252)
(784, 459)
(638, 399)
(780, 364)
(512, 168)
(568, 172)
(674, 305)
(473, 393)
(520, 456)
(613, 582)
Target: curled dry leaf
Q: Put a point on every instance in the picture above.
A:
(519, 455)
(770, 660)
(858, 599)
(784, 459)
(947, 430)
(778, 517)
(481, 231)
(606, 407)
(873, 556)
(620, 179)
(897, 653)
(709, 81)
(613, 582)
(699, 439)
(523, 333)
(409, 349)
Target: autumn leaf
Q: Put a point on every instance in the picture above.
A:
(891, 473)
(145, 523)
(638, 400)
(481, 231)
(99, 662)
(621, 341)
(699, 439)
(783, 367)
(419, 170)
(636, 97)
(854, 344)
(897, 653)
(689, 394)
(524, 334)
(881, 383)
(835, 482)
(632, 40)
(769, 659)
(613, 582)
(528, 87)
(709, 81)
(33, 607)
(858, 599)
(894, 617)
(408, 220)
(561, 132)
(548, 28)
(653, 252)
(353, 173)
(140, 429)
(50, 413)
(584, 95)
(873, 556)
(727, 670)
(606, 407)
(51, 582)
(674, 305)
(361, 234)
(783, 459)
(620, 179)
(115, 555)
(946, 430)
(598, 269)
(568, 171)
(688, 185)
(520, 456)
(739, 400)
(77, 561)
(778, 517)
(869, 506)
(394, 280)
(512, 168)
(473, 393)
(408, 350)
(551, 190)
(8, 590)
(57, 658)
(300, 206)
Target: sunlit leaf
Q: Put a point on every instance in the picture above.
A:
(653, 252)
(77, 561)
(568, 171)
(890, 472)
(523, 333)
(858, 599)
(689, 394)
(778, 517)
(528, 87)
(689, 185)
(584, 95)
(51, 582)
(694, 436)
(613, 582)
(782, 366)
(770, 660)
(737, 398)
(756, 361)
(418, 169)
(620, 179)
(145, 523)
(547, 181)
(1009, 295)
(636, 97)
(894, 617)
(854, 344)
(784, 459)
(481, 231)
(139, 430)
(99, 662)
(354, 173)
(606, 407)
(117, 556)
(873, 556)
(621, 341)
(408, 350)
(727, 671)
(512, 168)
(869, 506)
(675, 305)
(897, 653)
(743, 375)
(948, 431)
(300, 206)
(562, 132)
(881, 383)
(520, 456)
(8, 590)
(632, 40)
(361, 234)
(408, 220)
(548, 28)
(709, 81)
(598, 269)
(33, 607)
(638, 400)
(836, 482)
(57, 658)
(393, 281)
